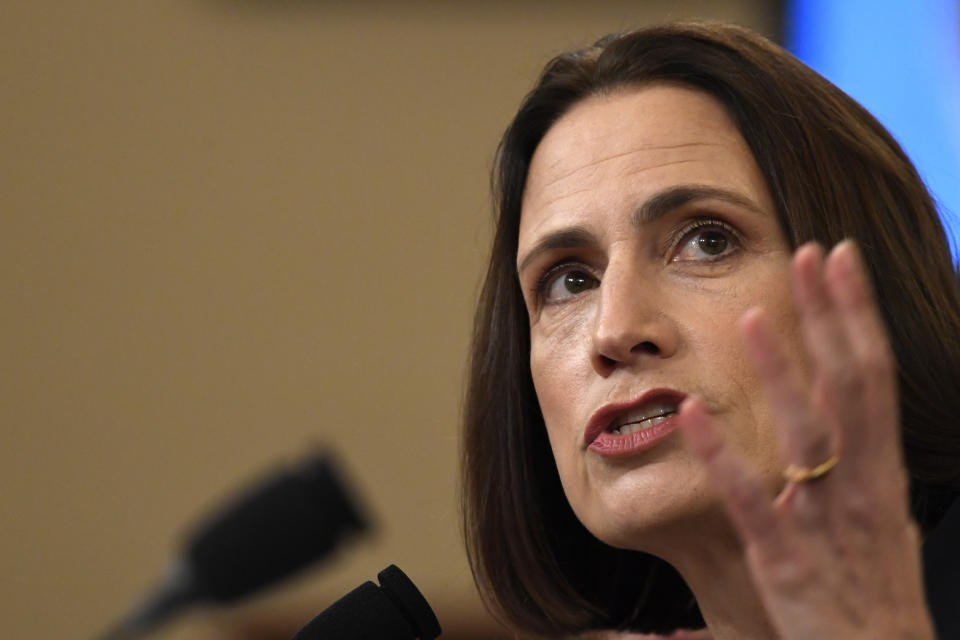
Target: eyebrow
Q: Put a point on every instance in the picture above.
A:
(675, 197)
(650, 211)
(569, 238)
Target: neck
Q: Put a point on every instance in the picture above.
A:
(714, 566)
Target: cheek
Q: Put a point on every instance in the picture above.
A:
(751, 421)
(560, 368)
(559, 357)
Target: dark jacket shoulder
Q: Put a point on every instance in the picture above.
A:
(941, 573)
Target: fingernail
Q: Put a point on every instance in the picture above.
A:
(696, 426)
(808, 260)
(849, 246)
(847, 252)
(751, 318)
(813, 247)
(688, 404)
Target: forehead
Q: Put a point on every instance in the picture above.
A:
(629, 144)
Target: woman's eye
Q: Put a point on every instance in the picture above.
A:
(705, 244)
(567, 284)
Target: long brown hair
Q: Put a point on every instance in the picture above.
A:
(834, 172)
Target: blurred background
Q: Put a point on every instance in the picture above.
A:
(234, 231)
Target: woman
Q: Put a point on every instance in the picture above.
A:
(684, 406)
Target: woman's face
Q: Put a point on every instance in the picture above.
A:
(646, 232)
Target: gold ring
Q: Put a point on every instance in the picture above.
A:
(798, 474)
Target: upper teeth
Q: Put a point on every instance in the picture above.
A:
(642, 418)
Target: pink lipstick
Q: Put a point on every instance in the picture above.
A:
(624, 429)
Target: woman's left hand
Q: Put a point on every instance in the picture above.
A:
(836, 556)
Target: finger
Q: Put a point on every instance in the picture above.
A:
(805, 438)
(841, 328)
(850, 288)
(822, 327)
(746, 499)
(837, 379)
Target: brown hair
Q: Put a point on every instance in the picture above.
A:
(834, 172)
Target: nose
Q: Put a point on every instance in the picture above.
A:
(632, 327)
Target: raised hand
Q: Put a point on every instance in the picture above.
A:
(835, 554)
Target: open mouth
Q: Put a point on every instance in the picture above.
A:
(619, 428)
(642, 418)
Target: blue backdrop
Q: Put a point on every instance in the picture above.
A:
(901, 60)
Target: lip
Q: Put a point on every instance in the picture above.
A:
(598, 439)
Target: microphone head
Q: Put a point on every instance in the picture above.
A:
(396, 610)
(272, 530)
(409, 599)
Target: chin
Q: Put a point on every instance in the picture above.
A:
(645, 507)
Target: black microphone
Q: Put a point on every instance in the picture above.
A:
(396, 610)
(266, 533)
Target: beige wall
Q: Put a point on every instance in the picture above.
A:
(230, 231)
